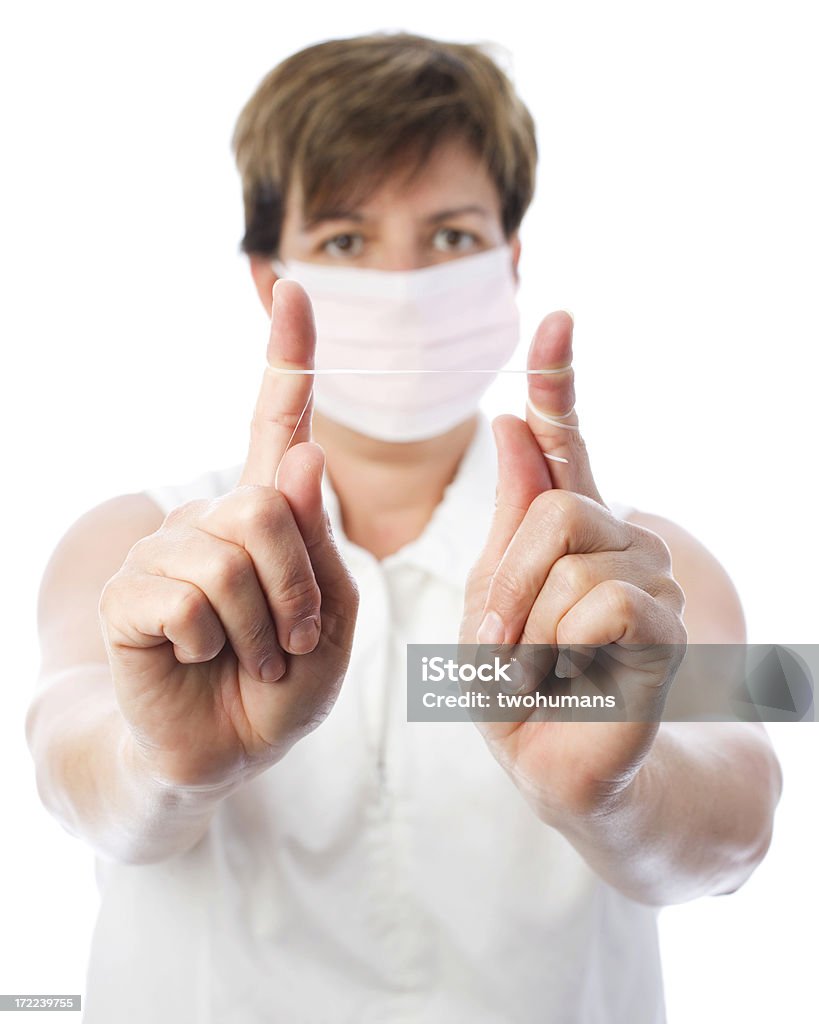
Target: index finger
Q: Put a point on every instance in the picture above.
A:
(281, 415)
(550, 410)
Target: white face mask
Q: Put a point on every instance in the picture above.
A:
(458, 315)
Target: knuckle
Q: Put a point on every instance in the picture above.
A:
(298, 597)
(676, 594)
(207, 510)
(258, 429)
(258, 636)
(557, 511)
(231, 567)
(116, 599)
(544, 504)
(176, 515)
(265, 422)
(353, 593)
(572, 575)
(109, 597)
(620, 597)
(325, 533)
(479, 578)
(142, 552)
(507, 589)
(261, 508)
(264, 419)
(190, 611)
(579, 442)
(184, 513)
(656, 546)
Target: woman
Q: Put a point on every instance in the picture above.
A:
(221, 706)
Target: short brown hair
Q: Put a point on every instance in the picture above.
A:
(341, 114)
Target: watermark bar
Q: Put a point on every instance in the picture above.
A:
(20, 1003)
(612, 683)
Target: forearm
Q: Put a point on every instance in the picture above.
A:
(695, 820)
(94, 781)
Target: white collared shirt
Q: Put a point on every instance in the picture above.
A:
(385, 870)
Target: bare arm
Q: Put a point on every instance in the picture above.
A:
(185, 654)
(663, 811)
(698, 816)
(89, 773)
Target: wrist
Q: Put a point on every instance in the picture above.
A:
(161, 795)
(607, 814)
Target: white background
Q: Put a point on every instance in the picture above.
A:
(675, 215)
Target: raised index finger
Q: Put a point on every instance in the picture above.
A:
(550, 409)
(282, 415)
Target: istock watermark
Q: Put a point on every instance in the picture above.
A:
(614, 682)
(437, 669)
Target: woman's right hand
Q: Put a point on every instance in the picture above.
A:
(216, 666)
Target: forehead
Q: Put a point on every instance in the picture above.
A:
(452, 175)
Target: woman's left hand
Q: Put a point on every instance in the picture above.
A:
(559, 568)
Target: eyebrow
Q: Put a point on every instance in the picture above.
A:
(339, 214)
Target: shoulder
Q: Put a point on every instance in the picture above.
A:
(109, 525)
(90, 551)
(713, 610)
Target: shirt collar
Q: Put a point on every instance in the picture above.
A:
(459, 526)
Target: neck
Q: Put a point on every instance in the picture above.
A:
(388, 491)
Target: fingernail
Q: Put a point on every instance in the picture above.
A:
(273, 301)
(570, 314)
(491, 630)
(304, 636)
(564, 666)
(272, 668)
(518, 679)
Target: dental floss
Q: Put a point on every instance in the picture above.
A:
(298, 371)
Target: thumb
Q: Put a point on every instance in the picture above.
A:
(300, 475)
(522, 475)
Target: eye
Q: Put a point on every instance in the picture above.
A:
(454, 240)
(343, 245)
